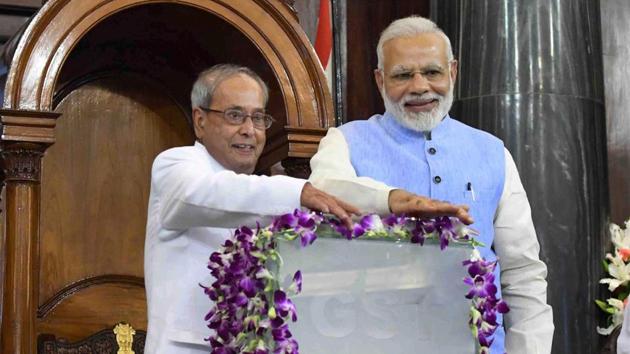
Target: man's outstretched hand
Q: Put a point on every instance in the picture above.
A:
(315, 199)
(403, 202)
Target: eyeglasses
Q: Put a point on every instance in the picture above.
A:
(235, 116)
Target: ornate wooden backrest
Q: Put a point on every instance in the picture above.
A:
(95, 90)
(122, 339)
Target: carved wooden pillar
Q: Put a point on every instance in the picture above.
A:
(303, 143)
(25, 137)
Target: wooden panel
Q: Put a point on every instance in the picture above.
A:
(95, 179)
(363, 28)
(77, 316)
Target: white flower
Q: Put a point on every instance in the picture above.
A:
(619, 270)
(617, 307)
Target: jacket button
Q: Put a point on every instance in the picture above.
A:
(432, 151)
(437, 179)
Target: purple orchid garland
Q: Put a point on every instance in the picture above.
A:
(251, 311)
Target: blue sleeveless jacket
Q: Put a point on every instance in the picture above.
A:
(455, 163)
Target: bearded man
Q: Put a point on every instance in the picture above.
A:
(416, 146)
(200, 193)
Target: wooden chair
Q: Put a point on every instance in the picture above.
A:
(96, 89)
(122, 339)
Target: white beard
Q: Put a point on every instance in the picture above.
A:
(419, 121)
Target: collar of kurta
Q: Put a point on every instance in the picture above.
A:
(398, 131)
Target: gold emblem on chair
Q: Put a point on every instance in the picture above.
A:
(124, 337)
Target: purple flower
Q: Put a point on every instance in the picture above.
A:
(305, 219)
(484, 341)
(427, 225)
(284, 306)
(479, 266)
(417, 235)
(286, 221)
(223, 331)
(209, 315)
(288, 346)
(490, 317)
(340, 228)
(297, 221)
(238, 265)
(235, 327)
(248, 286)
(395, 220)
(244, 234)
(481, 286)
(297, 280)
(212, 294)
(247, 319)
(307, 238)
(358, 230)
(281, 333)
(444, 227)
(485, 303)
(367, 223)
(502, 307)
(238, 300)
(215, 258)
(370, 222)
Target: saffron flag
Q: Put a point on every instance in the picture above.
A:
(324, 40)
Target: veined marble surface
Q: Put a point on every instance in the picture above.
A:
(531, 73)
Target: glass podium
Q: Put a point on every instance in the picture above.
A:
(370, 296)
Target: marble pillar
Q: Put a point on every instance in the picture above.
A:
(531, 74)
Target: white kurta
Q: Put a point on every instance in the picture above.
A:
(623, 341)
(529, 324)
(194, 205)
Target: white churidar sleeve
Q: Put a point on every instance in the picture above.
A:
(529, 324)
(332, 172)
(192, 194)
(623, 341)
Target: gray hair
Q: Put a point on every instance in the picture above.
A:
(408, 27)
(209, 79)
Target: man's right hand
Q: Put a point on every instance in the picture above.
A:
(403, 202)
(315, 199)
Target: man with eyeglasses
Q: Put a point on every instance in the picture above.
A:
(416, 146)
(200, 193)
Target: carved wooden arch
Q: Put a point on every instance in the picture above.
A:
(60, 24)
(28, 119)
